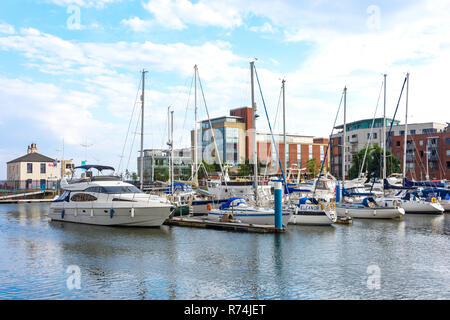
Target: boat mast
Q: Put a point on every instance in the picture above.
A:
(384, 130)
(255, 145)
(286, 152)
(406, 128)
(171, 151)
(194, 168)
(142, 130)
(344, 138)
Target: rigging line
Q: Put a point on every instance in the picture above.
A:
(271, 132)
(129, 124)
(371, 131)
(187, 104)
(211, 127)
(274, 123)
(389, 138)
(134, 136)
(329, 142)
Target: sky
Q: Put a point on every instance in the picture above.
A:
(70, 69)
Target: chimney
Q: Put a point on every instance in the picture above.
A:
(28, 150)
(33, 148)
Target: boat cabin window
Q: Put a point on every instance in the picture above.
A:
(80, 197)
(114, 189)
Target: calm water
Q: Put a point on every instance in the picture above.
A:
(412, 257)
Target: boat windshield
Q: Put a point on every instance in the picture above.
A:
(114, 189)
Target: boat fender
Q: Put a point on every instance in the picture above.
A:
(62, 213)
(111, 213)
(208, 207)
(92, 212)
(132, 212)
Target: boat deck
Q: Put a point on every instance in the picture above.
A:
(199, 222)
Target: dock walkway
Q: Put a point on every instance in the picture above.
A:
(199, 222)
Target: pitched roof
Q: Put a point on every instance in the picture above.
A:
(33, 157)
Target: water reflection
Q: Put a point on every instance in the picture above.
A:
(183, 263)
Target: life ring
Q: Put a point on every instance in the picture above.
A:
(433, 200)
(370, 204)
(208, 207)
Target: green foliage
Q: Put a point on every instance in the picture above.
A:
(134, 176)
(372, 163)
(313, 167)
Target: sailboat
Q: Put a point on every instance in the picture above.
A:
(238, 208)
(367, 208)
(410, 200)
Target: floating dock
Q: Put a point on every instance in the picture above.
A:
(344, 220)
(199, 222)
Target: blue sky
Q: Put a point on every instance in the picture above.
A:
(60, 79)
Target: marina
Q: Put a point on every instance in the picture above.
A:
(304, 262)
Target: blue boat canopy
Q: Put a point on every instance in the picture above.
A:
(227, 204)
(95, 166)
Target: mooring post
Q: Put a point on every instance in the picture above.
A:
(338, 192)
(278, 196)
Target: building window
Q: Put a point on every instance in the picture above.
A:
(310, 151)
(402, 132)
(412, 131)
(368, 136)
(398, 144)
(447, 153)
(321, 153)
(29, 168)
(42, 167)
(421, 153)
(420, 142)
(374, 135)
(447, 140)
(299, 156)
(448, 164)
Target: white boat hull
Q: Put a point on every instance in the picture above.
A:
(422, 207)
(369, 213)
(445, 204)
(100, 214)
(312, 215)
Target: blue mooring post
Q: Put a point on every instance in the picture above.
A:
(278, 197)
(338, 192)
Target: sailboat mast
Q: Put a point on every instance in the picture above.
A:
(344, 138)
(141, 178)
(405, 141)
(195, 123)
(171, 151)
(286, 152)
(255, 145)
(384, 130)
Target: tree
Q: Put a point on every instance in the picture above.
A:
(373, 164)
(146, 175)
(313, 167)
(134, 176)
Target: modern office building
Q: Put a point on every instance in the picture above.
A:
(360, 133)
(156, 163)
(234, 139)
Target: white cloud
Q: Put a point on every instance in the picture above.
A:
(99, 4)
(6, 28)
(137, 24)
(265, 28)
(176, 14)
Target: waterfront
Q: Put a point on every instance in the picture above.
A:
(188, 263)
